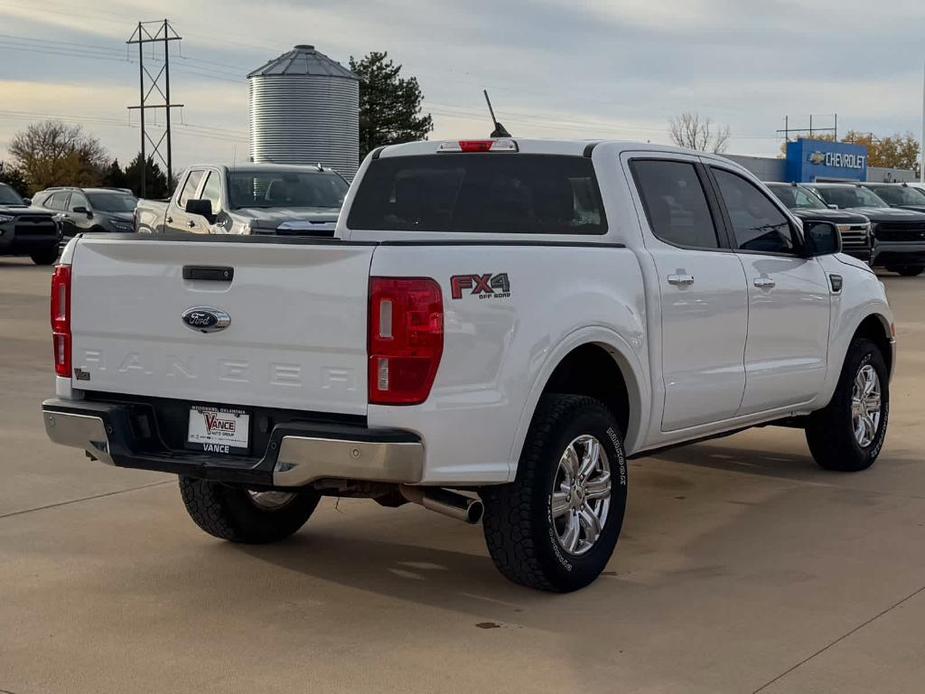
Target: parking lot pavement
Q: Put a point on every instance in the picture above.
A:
(742, 567)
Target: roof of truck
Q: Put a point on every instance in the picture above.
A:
(249, 166)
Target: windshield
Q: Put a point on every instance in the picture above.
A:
(8, 196)
(112, 202)
(849, 196)
(797, 198)
(500, 193)
(285, 189)
(899, 195)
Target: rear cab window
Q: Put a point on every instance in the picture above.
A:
(508, 193)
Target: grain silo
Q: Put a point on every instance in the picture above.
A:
(304, 109)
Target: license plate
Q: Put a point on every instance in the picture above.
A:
(218, 430)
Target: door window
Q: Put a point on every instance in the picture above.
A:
(212, 191)
(58, 201)
(675, 203)
(189, 188)
(757, 223)
(78, 200)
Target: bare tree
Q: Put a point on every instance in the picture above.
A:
(53, 153)
(693, 131)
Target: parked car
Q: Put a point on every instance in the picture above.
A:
(899, 235)
(92, 210)
(495, 328)
(898, 195)
(248, 199)
(809, 207)
(25, 230)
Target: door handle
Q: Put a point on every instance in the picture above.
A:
(681, 280)
(191, 224)
(764, 282)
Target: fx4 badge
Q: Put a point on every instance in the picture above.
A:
(486, 286)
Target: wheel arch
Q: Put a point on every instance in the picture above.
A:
(601, 364)
(878, 329)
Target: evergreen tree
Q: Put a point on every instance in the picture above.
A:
(156, 183)
(390, 105)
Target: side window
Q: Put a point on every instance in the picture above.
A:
(213, 191)
(78, 200)
(675, 203)
(189, 188)
(757, 223)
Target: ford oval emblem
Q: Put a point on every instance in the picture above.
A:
(205, 319)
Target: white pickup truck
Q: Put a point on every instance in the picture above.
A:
(248, 199)
(494, 329)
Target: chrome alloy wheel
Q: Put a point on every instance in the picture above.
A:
(270, 501)
(866, 405)
(580, 496)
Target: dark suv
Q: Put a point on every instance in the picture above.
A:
(89, 209)
(899, 235)
(25, 230)
(899, 195)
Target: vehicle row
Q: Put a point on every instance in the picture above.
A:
(880, 223)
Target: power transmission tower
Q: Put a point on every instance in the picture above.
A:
(154, 32)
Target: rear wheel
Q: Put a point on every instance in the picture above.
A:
(46, 256)
(245, 515)
(848, 433)
(555, 527)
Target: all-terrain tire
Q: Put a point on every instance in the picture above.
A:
(830, 432)
(518, 521)
(230, 513)
(47, 256)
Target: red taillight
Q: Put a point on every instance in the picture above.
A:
(496, 145)
(61, 319)
(405, 339)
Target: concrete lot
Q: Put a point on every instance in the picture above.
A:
(743, 567)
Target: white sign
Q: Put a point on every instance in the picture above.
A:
(218, 430)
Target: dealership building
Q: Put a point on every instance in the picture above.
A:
(808, 161)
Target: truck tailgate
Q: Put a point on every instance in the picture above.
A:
(296, 337)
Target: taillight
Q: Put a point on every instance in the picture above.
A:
(405, 339)
(61, 319)
(495, 145)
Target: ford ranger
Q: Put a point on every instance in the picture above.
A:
(495, 328)
(248, 199)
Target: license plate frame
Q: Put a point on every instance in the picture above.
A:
(218, 430)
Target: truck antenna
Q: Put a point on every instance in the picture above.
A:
(500, 130)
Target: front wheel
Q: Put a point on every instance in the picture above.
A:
(245, 515)
(848, 433)
(555, 527)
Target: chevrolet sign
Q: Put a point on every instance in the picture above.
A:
(839, 160)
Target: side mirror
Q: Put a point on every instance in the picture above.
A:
(80, 209)
(201, 207)
(821, 238)
(832, 207)
(27, 201)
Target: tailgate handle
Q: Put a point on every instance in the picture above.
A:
(208, 273)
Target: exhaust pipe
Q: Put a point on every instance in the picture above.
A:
(444, 501)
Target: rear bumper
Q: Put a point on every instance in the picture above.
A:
(297, 454)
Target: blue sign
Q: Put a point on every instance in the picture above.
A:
(814, 160)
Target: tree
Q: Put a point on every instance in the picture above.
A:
(52, 153)
(390, 105)
(898, 151)
(13, 177)
(156, 184)
(693, 131)
(115, 177)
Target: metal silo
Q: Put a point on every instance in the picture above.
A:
(304, 109)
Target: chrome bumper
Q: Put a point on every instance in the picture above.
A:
(293, 458)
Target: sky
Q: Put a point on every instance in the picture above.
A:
(617, 69)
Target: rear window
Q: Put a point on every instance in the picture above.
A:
(501, 193)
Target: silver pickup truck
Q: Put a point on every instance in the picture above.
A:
(248, 199)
